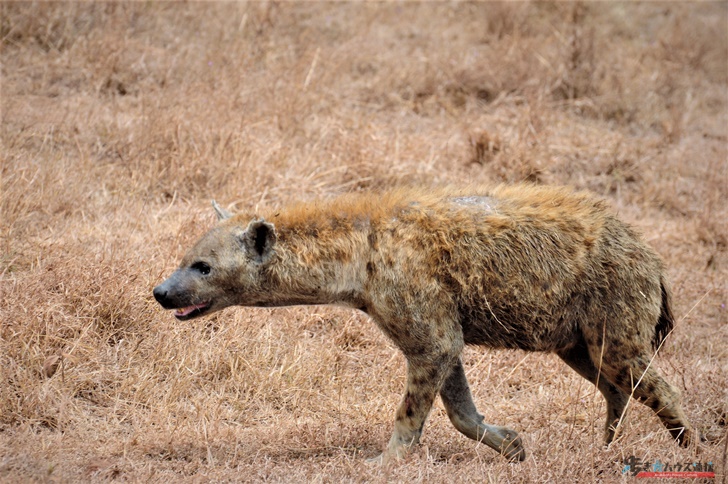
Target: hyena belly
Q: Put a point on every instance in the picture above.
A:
(498, 327)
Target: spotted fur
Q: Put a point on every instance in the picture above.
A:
(521, 267)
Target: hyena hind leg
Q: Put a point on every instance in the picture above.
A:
(578, 358)
(656, 393)
(458, 401)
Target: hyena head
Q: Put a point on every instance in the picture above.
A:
(224, 268)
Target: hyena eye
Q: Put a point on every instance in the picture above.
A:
(201, 267)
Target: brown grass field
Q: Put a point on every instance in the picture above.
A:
(120, 122)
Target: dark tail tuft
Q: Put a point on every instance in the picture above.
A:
(667, 320)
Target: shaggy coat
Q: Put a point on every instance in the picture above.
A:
(522, 267)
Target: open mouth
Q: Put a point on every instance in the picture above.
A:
(193, 311)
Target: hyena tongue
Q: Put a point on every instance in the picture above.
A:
(189, 309)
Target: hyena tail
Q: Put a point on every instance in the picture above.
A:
(667, 320)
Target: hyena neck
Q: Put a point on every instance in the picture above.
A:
(319, 267)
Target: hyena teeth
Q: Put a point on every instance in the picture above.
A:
(186, 311)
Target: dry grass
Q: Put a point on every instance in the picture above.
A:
(121, 121)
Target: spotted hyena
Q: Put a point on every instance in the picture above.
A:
(527, 267)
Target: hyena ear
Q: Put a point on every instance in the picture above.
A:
(222, 214)
(258, 240)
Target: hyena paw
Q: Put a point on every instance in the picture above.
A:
(690, 437)
(392, 453)
(386, 457)
(515, 451)
(376, 461)
(511, 446)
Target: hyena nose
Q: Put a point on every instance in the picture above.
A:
(160, 294)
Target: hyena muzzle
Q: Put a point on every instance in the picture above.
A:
(521, 267)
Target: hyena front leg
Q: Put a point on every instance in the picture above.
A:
(424, 378)
(455, 394)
